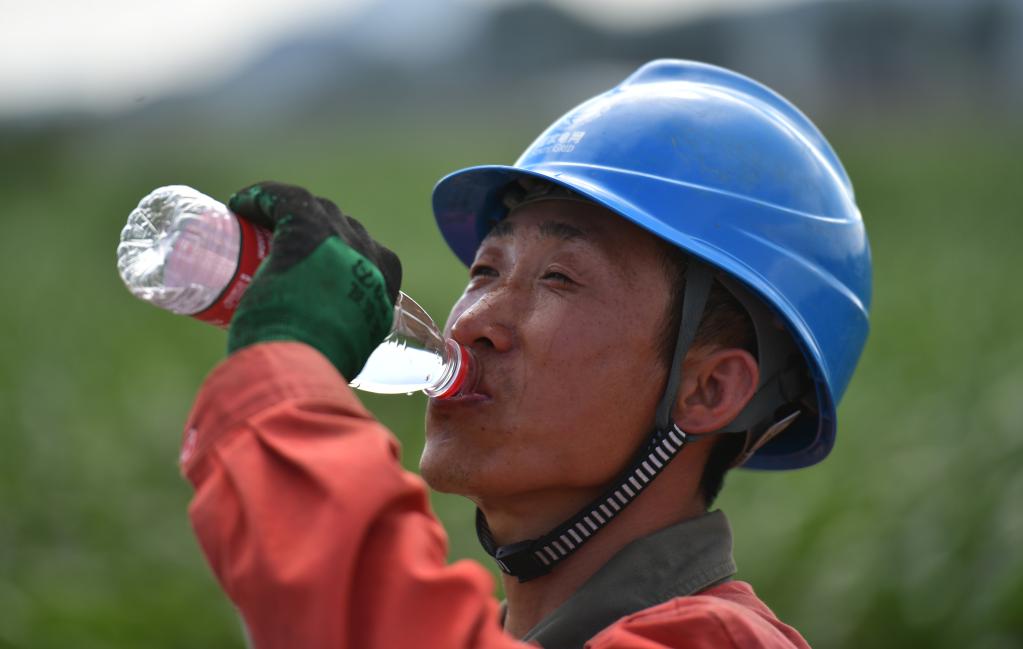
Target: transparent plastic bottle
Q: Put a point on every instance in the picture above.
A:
(187, 253)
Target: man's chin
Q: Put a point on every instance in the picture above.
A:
(444, 473)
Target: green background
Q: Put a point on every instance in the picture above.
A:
(908, 535)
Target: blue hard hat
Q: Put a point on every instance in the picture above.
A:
(732, 173)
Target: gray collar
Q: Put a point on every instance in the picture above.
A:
(679, 560)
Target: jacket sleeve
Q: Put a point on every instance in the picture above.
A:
(309, 522)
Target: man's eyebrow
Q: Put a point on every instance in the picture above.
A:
(557, 229)
(501, 229)
(562, 231)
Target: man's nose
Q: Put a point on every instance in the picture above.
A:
(485, 322)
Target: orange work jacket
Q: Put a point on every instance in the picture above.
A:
(322, 540)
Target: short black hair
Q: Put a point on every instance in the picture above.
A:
(725, 323)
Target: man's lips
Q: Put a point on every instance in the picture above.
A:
(461, 400)
(477, 394)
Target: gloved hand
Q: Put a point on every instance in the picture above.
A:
(326, 283)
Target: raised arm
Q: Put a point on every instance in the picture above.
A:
(307, 519)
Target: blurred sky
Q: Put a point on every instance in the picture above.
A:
(105, 55)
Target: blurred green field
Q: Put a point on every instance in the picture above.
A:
(908, 536)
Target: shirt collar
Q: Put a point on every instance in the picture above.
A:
(682, 559)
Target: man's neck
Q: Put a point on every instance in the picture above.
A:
(530, 602)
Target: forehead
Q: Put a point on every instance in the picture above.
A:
(577, 222)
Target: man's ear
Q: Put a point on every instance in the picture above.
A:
(716, 386)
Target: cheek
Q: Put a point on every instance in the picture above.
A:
(611, 344)
(596, 382)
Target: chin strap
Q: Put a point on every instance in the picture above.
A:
(532, 558)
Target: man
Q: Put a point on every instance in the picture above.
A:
(672, 280)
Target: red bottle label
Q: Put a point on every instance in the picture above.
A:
(255, 246)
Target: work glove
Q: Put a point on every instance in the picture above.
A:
(326, 282)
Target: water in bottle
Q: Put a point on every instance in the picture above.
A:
(187, 253)
(414, 356)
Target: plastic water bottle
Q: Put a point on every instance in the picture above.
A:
(187, 253)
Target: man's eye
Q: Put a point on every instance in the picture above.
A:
(481, 270)
(558, 277)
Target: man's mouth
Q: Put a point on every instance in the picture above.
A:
(477, 394)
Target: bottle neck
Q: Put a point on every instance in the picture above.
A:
(460, 372)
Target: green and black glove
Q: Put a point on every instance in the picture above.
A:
(326, 283)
